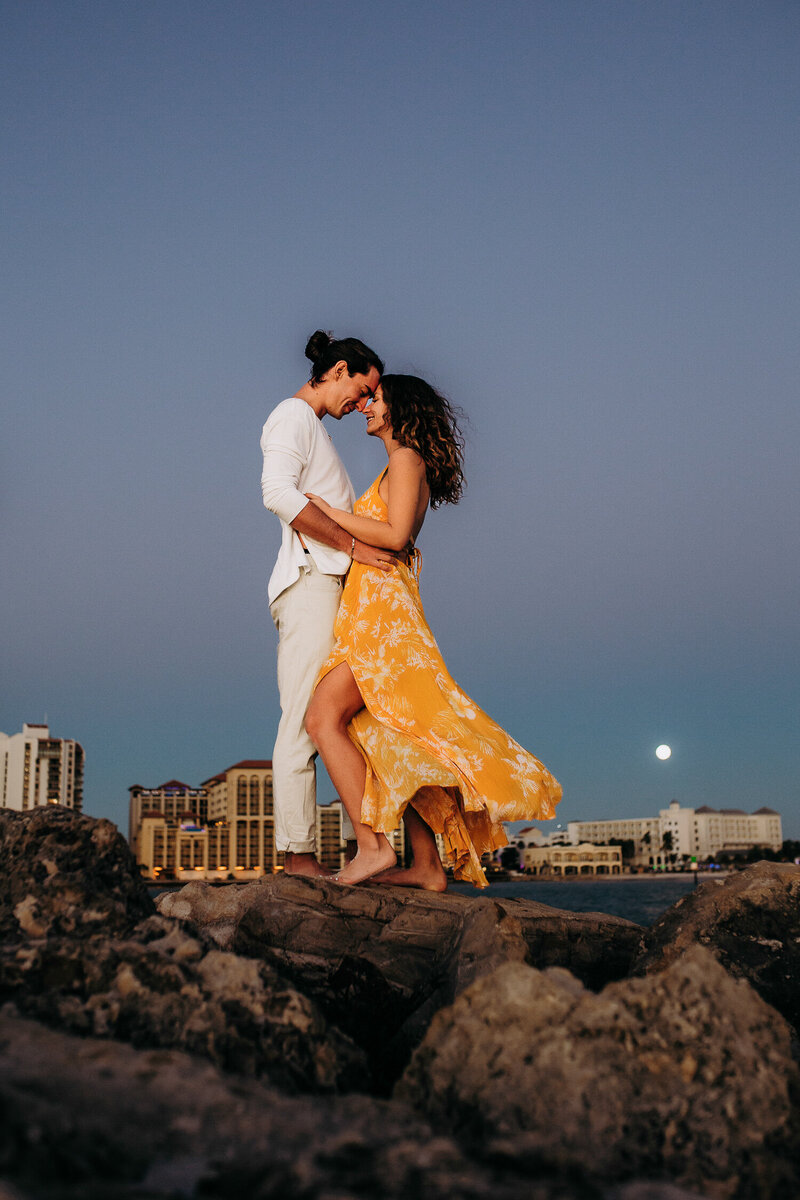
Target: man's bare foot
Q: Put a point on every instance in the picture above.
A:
(366, 864)
(304, 864)
(431, 877)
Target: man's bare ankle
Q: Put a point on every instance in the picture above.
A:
(303, 863)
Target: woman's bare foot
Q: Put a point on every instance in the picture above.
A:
(366, 864)
(431, 877)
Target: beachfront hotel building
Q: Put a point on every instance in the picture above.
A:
(225, 829)
(685, 834)
(37, 769)
(173, 800)
(583, 859)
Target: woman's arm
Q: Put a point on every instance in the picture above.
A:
(406, 480)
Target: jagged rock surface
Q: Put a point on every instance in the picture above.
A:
(62, 873)
(84, 1119)
(751, 920)
(685, 1075)
(381, 961)
(73, 955)
(161, 987)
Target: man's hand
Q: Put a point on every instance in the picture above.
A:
(372, 556)
(317, 524)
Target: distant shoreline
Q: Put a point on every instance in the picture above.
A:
(174, 885)
(511, 877)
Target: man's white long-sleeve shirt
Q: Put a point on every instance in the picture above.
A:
(300, 457)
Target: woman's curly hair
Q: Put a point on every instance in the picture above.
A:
(427, 423)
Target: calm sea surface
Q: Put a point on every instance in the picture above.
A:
(638, 898)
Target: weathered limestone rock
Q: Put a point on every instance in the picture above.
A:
(82, 948)
(84, 1119)
(751, 920)
(685, 1075)
(381, 961)
(161, 987)
(61, 873)
(649, 1190)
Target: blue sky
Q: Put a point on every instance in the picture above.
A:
(578, 219)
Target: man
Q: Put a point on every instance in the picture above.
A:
(306, 583)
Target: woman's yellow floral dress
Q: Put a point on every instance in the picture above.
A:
(423, 739)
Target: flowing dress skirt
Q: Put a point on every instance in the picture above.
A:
(424, 741)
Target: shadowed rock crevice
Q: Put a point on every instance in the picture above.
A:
(163, 988)
(751, 920)
(380, 961)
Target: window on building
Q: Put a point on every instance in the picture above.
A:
(269, 846)
(253, 855)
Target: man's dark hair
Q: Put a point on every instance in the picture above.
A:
(325, 351)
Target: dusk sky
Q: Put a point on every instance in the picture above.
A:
(578, 218)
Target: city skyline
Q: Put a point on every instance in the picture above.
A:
(579, 221)
(57, 749)
(225, 829)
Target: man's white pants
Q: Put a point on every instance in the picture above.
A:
(304, 616)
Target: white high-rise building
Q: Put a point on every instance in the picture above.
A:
(37, 769)
(685, 833)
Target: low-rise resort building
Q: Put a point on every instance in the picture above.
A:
(584, 859)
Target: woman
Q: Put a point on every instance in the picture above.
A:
(396, 733)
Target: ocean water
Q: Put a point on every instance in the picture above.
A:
(637, 898)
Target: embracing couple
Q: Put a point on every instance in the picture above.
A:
(360, 676)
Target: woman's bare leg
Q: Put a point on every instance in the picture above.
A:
(334, 704)
(426, 870)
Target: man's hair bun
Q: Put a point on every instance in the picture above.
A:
(317, 344)
(325, 351)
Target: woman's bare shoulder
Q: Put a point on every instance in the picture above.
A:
(407, 460)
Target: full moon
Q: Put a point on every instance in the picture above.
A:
(663, 752)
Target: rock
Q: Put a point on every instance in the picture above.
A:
(73, 955)
(7, 1192)
(685, 1076)
(650, 1190)
(381, 961)
(751, 920)
(162, 988)
(62, 873)
(84, 1119)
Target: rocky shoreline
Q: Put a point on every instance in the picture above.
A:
(293, 1038)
